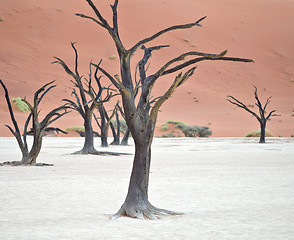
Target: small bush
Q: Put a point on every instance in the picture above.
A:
(20, 104)
(2, 19)
(164, 127)
(176, 122)
(112, 57)
(257, 134)
(194, 131)
(168, 135)
(123, 125)
(75, 128)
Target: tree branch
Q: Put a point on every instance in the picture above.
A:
(179, 80)
(156, 35)
(242, 105)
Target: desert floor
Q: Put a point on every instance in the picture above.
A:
(228, 188)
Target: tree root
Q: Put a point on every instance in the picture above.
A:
(143, 211)
(20, 163)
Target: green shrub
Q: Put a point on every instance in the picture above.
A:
(256, 133)
(20, 104)
(168, 135)
(164, 127)
(194, 131)
(75, 128)
(176, 122)
(123, 125)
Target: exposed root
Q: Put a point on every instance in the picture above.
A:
(20, 163)
(143, 211)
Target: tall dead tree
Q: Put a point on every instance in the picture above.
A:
(141, 116)
(87, 99)
(29, 157)
(262, 118)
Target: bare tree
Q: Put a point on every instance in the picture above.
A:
(141, 116)
(125, 130)
(85, 107)
(29, 157)
(104, 123)
(262, 118)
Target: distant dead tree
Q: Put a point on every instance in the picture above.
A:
(141, 115)
(29, 157)
(103, 123)
(87, 99)
(122, 127)
(262, 118)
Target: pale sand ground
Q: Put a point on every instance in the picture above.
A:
(229, 188)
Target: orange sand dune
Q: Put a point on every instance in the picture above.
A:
(33, 31)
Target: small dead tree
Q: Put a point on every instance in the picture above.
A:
(141, 116)
(104, 123)
(262, 118)
(125, 130)
(29, 157)
(83, 105)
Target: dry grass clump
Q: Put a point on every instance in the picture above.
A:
(112, 57)
(256, 133)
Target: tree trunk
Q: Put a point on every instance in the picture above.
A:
(89, 138)
(136, 204)
(115, 134)
(104, 133)
(262, 132)
(36, 148)
(125, 139)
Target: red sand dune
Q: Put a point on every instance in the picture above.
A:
(34, 31)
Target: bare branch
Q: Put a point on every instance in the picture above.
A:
(114, 11)
(163, 71)
(48, 118)
(66, 68)
(114, 81)
(147, 54)
(85, 16)
(156, 35)
(272, 114)
(10, 110)
(242, 105)
(179, 80)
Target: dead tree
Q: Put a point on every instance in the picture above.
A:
(104, 124)
(87, 100)
(141, 116)
(115, 128)
(122, 128)
(29, 157)
(262, 118)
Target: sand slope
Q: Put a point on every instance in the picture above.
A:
(228, 188)
(34, 31)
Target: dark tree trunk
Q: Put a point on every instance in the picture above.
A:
(89, 138)
(125, 139)
(104, 134)
(136, 204)
(103, 126)
(115, 133)
(262, 132)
